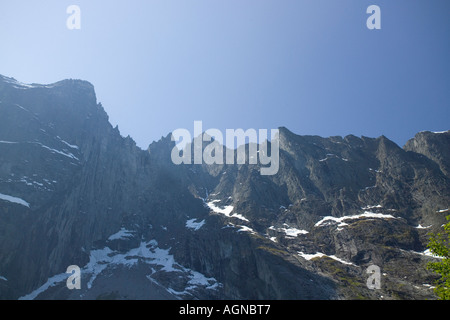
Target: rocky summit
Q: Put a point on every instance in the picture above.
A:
(74, 192)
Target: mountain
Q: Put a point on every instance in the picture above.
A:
(73, 191)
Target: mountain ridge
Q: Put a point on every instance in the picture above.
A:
(336, 206)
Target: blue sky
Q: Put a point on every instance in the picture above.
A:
(309, 65)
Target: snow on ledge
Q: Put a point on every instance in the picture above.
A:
(148, 253)
(321, 255)
(14, 200)
(426, 253)
(226, 211)
(68, 144)
(123, 234)
(372, 207)
(246, 229)
(289, 231)
(331, 220)
(191, 224)
(422, 227)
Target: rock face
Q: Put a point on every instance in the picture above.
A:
(73, 191)
(433, 145)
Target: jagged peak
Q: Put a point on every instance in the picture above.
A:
(427, 135)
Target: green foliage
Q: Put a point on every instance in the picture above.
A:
(439, 245)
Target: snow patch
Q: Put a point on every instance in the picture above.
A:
(51, 282)
(332, 155)
(328, 220)
(240, 216)
(372, 207)
(428, 253)
(246, 229)
(69, 155)
(421, 227)
(293, 232)
(20, 107)
(226, 211)
(310, 256)
(68, 144)
(149, 253)
(192, 224)
(14, 200)
(321, 255)
(23, 86)
(123, 234)
(289, 231)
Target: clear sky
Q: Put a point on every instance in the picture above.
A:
(312, 66)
